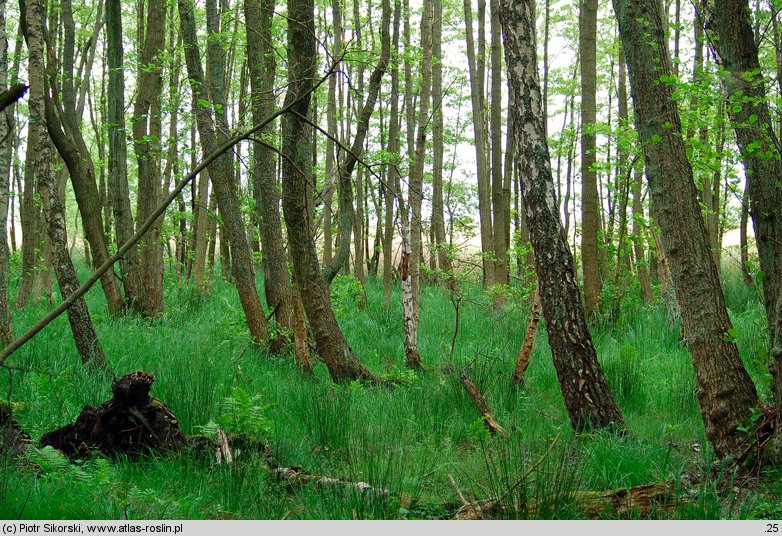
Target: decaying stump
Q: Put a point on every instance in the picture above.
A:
(131, 422)
(13, 440)
(482, 406)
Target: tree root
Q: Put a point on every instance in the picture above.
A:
(130, 423)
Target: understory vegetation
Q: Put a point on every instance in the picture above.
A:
(418, 442)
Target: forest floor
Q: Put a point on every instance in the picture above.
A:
(419, 444)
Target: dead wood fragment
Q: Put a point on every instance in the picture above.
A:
(223, 448)
(14, 441)
(131, 423)
(297, 476)
(644, 501)
(482, 407)
(529, 340)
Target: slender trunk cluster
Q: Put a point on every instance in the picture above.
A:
(209, 108)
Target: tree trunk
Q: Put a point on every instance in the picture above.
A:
(118, 190)
(331, 121)
(6, 152)
(68, 139)
(748, 110)
(638, 237)
(348, 163)
(724, 390)
(438, 148)
(479, 132)
(500, 222)
(262, 65)
(416, 190)
(220, 171)
(332, 346)
(147, 136)
(587, 396)
(392, 170)
(590, 196)
(743, 242)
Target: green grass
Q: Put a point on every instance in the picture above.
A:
(408, 439)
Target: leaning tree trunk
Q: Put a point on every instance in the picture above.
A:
(587, 396)
(724, 390)
(52, 201)
(332, 346)
(221, 170)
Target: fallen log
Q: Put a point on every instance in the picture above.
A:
(132, 422)
(482, 407)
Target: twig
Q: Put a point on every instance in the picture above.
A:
(459, 494)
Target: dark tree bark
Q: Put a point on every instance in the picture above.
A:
(147, 140)
(332, 346)
(262, 66)
(118, 190)
(745, 91)
(221, 170)
(587, 396)
(724, 390)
